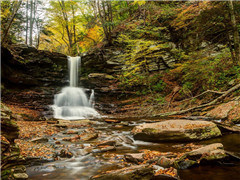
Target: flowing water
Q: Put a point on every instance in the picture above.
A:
(84, 166)
(72, 102)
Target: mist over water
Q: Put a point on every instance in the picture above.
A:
(72, 102)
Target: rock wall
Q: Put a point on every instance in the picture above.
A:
(12, 164)
(31, 77)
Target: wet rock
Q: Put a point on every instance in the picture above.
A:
(89, 136)
(141, 172)
(165, 162)
(176, 130)
(112, 121)
(104, 143)
(40, 140)
(212, 152)
(20, 169)
(166, 174)
(228, 127)
(85, 151)
(186, 164)
(71, 132)
(101, 149)
(164, 177)
(120, 140)
(65, 153)
(20, 176)
(67, 139)
(124, 123)
(57, 142)
(135, 158)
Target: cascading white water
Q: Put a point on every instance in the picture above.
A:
(73, 64)
(72, 103)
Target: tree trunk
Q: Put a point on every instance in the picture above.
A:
(15, 10)
(62, 4)
(235, 33)
(31, 23)
(26, 37)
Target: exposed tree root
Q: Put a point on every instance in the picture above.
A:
(224, 94)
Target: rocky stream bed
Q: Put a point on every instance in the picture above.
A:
(108, 149)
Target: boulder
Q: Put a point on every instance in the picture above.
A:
(176, 130)
(165, 162)
(135, 158)
(206, 154)
(210, 152)
(141, 172)
(227, 111)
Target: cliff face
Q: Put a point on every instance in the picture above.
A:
(31, 77)
(28, 67)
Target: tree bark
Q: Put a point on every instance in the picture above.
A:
(235, 33)
(31, 23)
(65, 17)
(26, 37)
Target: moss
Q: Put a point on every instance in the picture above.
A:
(150, 130)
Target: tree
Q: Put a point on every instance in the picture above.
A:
(106, 17)
(235, 33)
(26, 36)
(16, 5)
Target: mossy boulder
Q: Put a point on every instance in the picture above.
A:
(176, 130)
(204, 155)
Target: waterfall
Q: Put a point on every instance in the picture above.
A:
(72, 102)
(91, 99)
(73, 64)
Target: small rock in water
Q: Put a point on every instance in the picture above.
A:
(88, 136)
(57, 142)
(112, 121)
(135, 158)
(40, 140)
(65, 153)
(104, 143)
(20, 176)
(71, 132)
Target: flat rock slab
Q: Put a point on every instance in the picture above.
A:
(140, 172)
(176, 130)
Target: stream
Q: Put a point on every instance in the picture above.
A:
(82, 166)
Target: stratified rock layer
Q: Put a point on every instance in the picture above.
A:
(11, 162)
